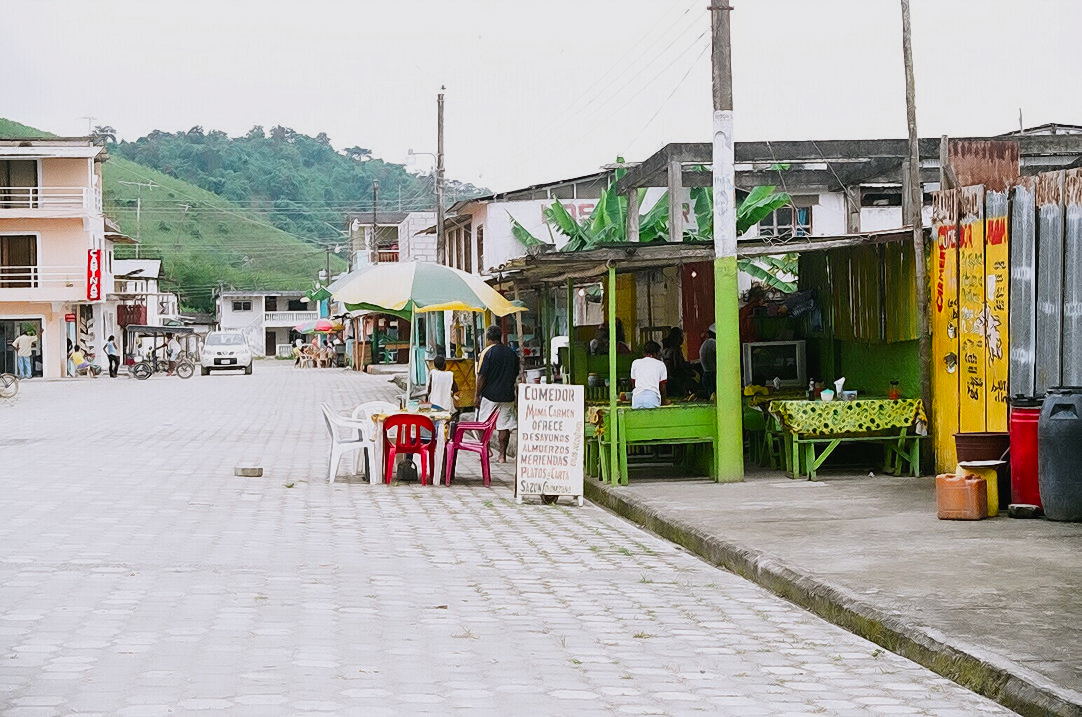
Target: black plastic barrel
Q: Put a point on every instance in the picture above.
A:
(1059, 451)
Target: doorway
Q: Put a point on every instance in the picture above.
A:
(9, 329)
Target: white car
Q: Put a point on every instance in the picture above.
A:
(225, 350)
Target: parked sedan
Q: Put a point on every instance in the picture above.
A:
(225, 350)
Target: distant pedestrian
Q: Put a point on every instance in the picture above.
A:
(113, 353)
(496, 379)
(24, 345)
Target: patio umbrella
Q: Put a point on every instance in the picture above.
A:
(418, 286)
(318, 326)
(405, 289)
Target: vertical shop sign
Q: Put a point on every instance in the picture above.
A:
(93, 275)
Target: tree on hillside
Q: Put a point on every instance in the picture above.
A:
(359, 154)
(104, 134)
(298, 183)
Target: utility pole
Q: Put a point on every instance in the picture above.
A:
(916, 203)
(441, 247)
(729, 454)
(374, 245)
(139, 210)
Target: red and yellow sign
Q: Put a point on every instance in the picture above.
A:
(93, 275)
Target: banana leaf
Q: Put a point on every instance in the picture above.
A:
(765, 276)
(523, 235)
(759, 203)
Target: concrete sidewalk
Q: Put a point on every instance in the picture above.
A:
(993, 605)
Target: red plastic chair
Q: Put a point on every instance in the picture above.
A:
(461, 441)
(407, 430)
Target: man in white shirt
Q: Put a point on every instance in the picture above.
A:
(172, 353)
(648, 376)
(24, 345)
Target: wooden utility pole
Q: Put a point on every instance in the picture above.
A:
(729, 452)
(441, 247)
(916, 204)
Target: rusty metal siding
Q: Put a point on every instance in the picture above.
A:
(1071, 364)
(993, 163)
(1049, 280)
(1023, 326)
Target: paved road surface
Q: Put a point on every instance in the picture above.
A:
(138, 576)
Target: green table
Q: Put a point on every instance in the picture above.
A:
(827, 424)
(675, 424)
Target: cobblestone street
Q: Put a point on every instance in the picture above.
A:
(138, 576)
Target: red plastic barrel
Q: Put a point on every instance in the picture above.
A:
(1025, 414)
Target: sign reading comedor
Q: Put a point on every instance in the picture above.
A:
(550, 441)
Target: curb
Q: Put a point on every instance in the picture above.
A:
(987, 674)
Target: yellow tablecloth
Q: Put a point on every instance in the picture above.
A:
(836, 418)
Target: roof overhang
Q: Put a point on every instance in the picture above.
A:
(50, 152)
(555, 266)
(118, 238)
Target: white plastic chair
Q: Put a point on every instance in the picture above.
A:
(347, 435)
(374, 408)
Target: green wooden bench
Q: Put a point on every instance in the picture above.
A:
(901, 452)
(676, 424)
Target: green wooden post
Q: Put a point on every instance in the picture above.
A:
(614, 458)
(729, 449)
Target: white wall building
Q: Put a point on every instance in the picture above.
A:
(266, 318)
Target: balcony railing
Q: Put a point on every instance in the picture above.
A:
(289, 318)
(386, 255)
(42, 277)
(49, 199)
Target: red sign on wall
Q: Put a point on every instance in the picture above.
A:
(93, 275)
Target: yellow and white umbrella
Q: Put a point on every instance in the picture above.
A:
(418, 286)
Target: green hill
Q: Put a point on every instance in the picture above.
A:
(203, 240)
(298, 183)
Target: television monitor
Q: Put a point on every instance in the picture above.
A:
(763, 361)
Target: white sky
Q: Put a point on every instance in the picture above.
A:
(535, 90)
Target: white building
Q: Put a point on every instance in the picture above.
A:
(265, 317)
(137, 284)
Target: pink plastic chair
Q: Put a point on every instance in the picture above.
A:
(461, 441)
(407, 430)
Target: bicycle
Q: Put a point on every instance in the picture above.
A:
(9, 385)
(145, 369)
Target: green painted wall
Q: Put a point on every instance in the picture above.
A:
(869, 368)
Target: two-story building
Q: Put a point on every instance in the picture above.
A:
(266, 318)
(137, 289)
(55, 253)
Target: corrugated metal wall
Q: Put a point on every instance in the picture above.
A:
(1046, 300)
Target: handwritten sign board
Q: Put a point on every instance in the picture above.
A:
(550, 441)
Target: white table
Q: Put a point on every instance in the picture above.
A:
(440, 418)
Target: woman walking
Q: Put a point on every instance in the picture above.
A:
(114, 356)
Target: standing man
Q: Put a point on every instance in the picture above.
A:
(496, 379)
(24, 345)
(172, 353)
(708, 357)
(113, 353)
